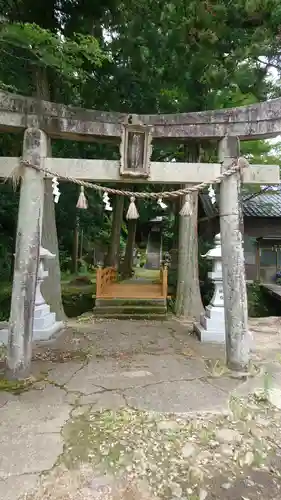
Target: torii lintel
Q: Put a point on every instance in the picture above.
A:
(256, 121)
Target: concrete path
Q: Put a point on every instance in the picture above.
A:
(140, 410)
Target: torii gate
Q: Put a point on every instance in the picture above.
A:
(41, 119)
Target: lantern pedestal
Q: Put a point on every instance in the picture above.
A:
(212, 326)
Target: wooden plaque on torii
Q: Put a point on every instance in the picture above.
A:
(135, 148)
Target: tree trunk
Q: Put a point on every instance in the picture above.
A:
(112, 258)
(175, 245)
(51, 288)
(188, 300)
(14, 151)
(75, 253)
(127, 268)
(81, 245)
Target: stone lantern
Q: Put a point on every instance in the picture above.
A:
(45, 324)
(212, 324)
(42, 274)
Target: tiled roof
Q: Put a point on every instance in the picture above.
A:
(261, 205)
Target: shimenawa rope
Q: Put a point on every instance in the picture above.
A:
(236, 166)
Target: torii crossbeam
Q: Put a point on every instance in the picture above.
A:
(160, 172)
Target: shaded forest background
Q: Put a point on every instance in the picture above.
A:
(142, 56)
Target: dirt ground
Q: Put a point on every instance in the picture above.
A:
(123, 410)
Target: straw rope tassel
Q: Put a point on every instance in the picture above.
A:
(82, 200)
(132, 210)
(187, 207)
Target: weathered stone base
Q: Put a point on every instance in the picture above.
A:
(218, 336)
(212, 325)
(38, 335)
(209, 335)
(48, 333)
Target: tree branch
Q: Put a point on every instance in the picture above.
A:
(268, 64)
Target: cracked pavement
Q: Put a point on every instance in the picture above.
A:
(144, 367)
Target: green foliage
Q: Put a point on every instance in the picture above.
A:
(260, 304)
(168, 231)
(254, 299)
(76, 300)
(142, 257)
(43, 48)
(5, 302)
(16, 386)
(172, 281)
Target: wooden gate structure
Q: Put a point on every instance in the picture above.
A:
(107, 286)
(42, 120)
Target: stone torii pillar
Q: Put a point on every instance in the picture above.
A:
(233, 268)
(26, 256)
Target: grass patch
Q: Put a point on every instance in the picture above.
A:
(69, 277)
(16, 386)
(216, 368)
(148, 274)
(76, 299)
(58, 356)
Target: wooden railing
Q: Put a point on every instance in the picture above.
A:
(164, 280)
(103, 279)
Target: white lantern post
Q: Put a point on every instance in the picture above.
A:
(212, 323)
(45, 325)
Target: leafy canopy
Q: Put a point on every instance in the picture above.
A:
(41, 47)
